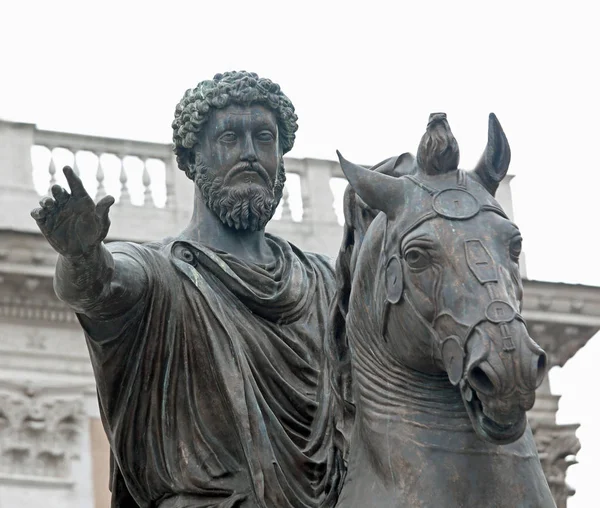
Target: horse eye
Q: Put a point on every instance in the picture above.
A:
(515, 247)
(417, 258)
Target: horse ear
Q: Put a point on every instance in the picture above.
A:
(394, 280)
(379, 191)
(494, 162)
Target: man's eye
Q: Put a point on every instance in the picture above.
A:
(227, 137)
(417, 259)
(265, 136)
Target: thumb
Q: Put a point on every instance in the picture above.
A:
(103, 207)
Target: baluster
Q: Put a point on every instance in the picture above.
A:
(171, 170)
(75, 165)
(307, 215)
(317, 192)
(286, 211)
(125, 197)
(101, 191)
(52, 171)
(146, 182)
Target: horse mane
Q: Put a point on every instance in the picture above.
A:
(357, 219)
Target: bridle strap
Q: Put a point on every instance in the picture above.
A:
(437, 342)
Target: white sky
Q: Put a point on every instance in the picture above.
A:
(364, 78)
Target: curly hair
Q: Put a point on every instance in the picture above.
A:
(236, 87)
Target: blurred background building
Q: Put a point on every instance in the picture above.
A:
(53, 450)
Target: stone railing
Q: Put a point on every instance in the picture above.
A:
(154, 197)
(76, 145)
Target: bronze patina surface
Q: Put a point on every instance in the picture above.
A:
(234, 370)
(432, 368)
(206, 346)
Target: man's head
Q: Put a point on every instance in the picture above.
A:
(230, 134)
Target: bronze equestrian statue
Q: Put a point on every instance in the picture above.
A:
(218, 383)
(431, 368)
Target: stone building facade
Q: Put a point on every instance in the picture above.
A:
(53, 451)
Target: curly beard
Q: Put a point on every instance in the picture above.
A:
(438, 151)
(243, 207)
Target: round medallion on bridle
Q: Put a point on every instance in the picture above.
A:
(394, 280)
(455, 203)
(499, 311)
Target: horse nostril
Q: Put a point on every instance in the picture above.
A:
(540, 369)
(481, 381)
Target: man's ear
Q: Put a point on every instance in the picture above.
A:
(190, 162)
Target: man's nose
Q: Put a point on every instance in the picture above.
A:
(248, 151)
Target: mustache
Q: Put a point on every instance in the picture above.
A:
(241, 207)
(248, 166)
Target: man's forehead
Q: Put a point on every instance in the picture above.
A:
(235, 113)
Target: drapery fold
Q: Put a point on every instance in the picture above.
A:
(208, 387)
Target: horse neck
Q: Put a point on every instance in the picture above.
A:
(412, 439)
(386, 389)
(384, 381)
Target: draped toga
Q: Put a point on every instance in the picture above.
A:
(208, 385)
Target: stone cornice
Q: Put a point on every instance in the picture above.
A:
(30, 297)
(563, 300)
(562, 318)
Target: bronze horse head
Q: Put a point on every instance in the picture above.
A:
(449, 266)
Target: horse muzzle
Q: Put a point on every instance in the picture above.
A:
(498, 367)
(503, 368)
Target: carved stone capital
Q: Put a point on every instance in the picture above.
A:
(40, 430)
(557, 447)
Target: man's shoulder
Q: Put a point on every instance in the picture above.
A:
(125, 246)
(144, 253)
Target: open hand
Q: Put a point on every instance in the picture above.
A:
(72, 223)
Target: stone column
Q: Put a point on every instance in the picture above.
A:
(317, 200)
(557, 444)
(17, 194)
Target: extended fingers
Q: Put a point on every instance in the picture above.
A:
(60, 195)
(42, 214)
(47, 203)
(104, 204)
(39, 214)
(75, 184)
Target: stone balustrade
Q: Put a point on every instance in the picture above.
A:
(149, 156)
(154, 198)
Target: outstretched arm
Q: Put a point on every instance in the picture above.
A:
(88, 277)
